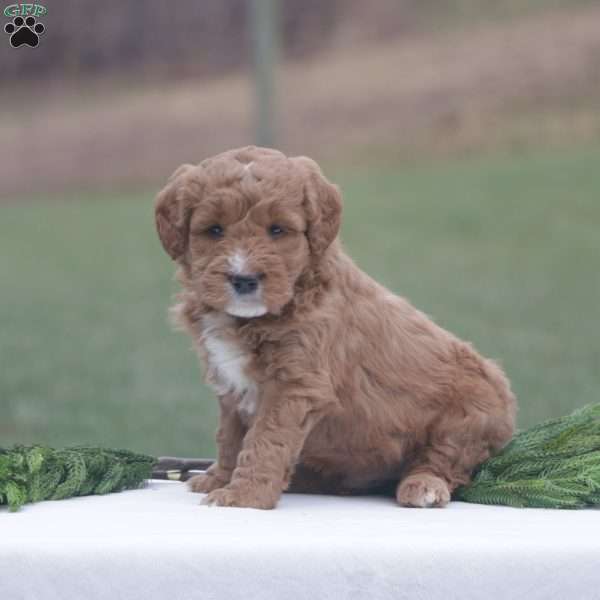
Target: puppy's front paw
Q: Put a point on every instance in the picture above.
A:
(207, 482)
(423, 491)
(245, 496)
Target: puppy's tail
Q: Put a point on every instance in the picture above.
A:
(505, 422)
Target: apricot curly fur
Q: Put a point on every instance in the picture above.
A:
(327, 381)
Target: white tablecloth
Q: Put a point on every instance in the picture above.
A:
(159, 543)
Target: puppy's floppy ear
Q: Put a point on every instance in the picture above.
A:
(323, 205)
(171, 211)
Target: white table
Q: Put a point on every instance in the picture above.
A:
(158, 542)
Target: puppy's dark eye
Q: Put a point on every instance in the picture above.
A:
(276, 231)
(215, 231)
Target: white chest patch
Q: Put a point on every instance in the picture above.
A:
(227, 364)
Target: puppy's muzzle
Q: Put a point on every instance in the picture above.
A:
(244, 284)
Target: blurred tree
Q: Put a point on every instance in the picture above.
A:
(265, 24)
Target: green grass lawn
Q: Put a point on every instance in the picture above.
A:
(504, 251)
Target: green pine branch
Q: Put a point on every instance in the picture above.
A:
(34, 473)
(553, 465)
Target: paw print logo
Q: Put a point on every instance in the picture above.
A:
(24, 32)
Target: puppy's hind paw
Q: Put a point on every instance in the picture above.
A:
(423, 491)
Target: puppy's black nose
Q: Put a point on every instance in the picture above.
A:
(244, 284)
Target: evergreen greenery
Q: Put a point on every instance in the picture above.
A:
(552, 465)
(34, 473)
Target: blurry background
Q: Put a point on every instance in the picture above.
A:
(465, 136)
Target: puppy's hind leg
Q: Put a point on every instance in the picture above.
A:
(455, 447)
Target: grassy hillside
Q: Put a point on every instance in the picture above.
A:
(486, 85)
(503, 250)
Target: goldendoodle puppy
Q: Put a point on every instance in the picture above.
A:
(327, 381)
